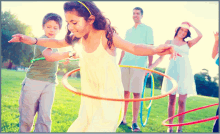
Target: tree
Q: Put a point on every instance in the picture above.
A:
(205, 85)
(158, 79)
(216, 78)
(69, 67)
(14, 52)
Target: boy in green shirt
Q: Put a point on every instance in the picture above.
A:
(38, 88)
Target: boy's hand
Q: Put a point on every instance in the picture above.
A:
(216, 36)
(23, 38)
(167, 49)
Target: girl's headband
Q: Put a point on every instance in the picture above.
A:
(85, 7)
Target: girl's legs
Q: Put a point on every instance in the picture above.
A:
(181, 109)
(171, 110)
(125, 77)
(126, 96)
(136, 106)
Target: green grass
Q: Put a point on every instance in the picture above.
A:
(66, 106)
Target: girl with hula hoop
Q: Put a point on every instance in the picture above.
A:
(100, 72)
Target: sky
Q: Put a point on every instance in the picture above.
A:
(162, 17)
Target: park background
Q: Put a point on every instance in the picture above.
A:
(163, 17)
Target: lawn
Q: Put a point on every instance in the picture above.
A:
(66, 106)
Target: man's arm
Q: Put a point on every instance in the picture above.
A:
(150, 40)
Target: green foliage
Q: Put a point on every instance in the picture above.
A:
(158, 79)
(205, 85)
(71, 66)
(15, 52)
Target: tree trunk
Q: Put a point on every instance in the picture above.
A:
(10, 64)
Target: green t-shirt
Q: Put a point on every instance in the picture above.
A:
(43, 70)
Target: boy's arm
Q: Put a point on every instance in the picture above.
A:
(215, 48)
(217, 59)
(50, 56)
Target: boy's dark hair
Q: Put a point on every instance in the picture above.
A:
(138, 8)
(53, 16)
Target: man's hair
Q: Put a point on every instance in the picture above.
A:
(138, 8)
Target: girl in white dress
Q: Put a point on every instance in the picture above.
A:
(100, 73)
(180, 70)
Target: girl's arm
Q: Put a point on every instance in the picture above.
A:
(159, 59)
(46, 42)
(194, 41)
(215, 48)
(156, 62)
(140, 50)
(143, 50)
(154, 65)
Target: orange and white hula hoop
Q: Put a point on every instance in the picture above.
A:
(74, 90)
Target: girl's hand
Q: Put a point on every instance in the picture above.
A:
(190, 25)
(66, 62)
(148, 72)
(216, 36)
(167, 49)
(23, 38)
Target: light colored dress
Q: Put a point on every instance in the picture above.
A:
(181, 71)
(100, 76)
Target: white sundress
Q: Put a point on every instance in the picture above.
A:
(100, 76)
(181, 71)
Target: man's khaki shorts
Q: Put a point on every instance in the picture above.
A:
(132, 79)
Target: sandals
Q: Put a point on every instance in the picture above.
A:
(135, 128)
(179, 131)
(169, 130)
(123, 123)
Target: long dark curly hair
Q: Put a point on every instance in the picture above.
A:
(188, 33)
(100, 23)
